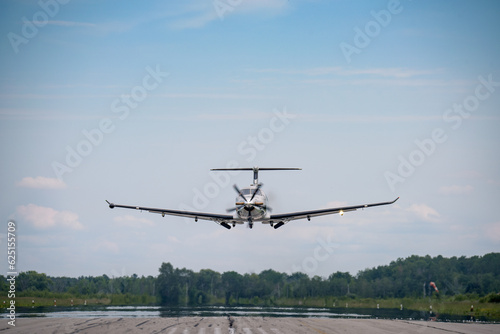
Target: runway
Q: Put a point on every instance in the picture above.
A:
(243, 325)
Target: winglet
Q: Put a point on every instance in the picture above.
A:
(111, 205)
(395, 200)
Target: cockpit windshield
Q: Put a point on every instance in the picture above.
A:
(249, 191)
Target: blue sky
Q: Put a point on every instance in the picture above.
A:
(135, 102)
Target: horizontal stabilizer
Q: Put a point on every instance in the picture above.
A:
(254, 169)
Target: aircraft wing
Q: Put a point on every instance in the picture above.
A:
(281, 219)
(218, 218)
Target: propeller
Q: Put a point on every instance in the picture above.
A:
(246, 203)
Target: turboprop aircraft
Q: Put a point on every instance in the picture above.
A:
(251, 206)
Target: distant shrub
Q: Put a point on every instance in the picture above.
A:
(460, 298)
(494, 298)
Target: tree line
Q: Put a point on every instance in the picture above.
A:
(410, 277)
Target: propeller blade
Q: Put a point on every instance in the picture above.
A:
(239, 192)
(256, 191)
(250, 219)
(265, 207)
(234, 209)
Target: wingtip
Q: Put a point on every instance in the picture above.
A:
(111, 205)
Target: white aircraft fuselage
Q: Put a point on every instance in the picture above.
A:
(251, 209)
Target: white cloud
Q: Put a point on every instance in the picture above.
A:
(456, 190)
(392, 72)
(399, 82)
(254, 115)
(41, 182)
(337, 70)
(197, 13)
(367, 119)
(44, 217)
(425, 212)
(493, 182)
(217, 96)
(259, 5)
(315, 71)
(199, 20)
(71, 23)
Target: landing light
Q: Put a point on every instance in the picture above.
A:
(341, 212)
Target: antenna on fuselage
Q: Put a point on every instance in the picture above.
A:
(255, 171)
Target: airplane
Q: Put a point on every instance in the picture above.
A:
(251, 206)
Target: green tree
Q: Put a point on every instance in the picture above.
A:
(208, 283)
(32, 281)
(231, 282)
(167, 285)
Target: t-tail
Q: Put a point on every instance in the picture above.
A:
(255, 171)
